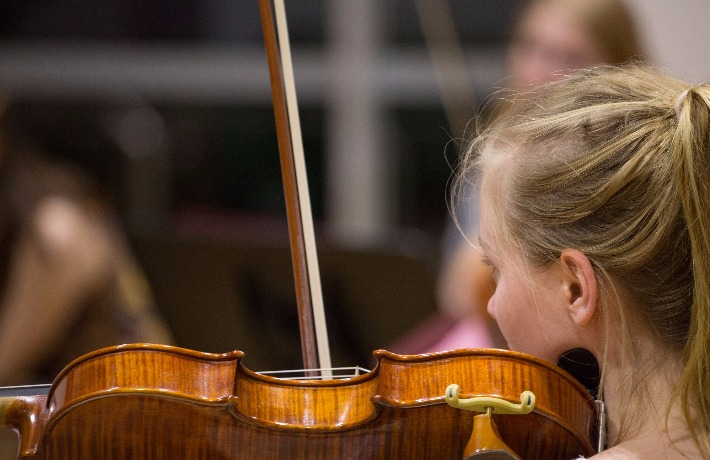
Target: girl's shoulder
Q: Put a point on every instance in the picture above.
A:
(651, 449)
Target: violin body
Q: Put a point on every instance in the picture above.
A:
(155, 402)
(159, 402)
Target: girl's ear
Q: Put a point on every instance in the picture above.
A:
(580, 286)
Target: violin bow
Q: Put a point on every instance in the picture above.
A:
(448, 58)
(309, 298)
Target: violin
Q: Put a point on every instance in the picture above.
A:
(144, 401)
(157, 401)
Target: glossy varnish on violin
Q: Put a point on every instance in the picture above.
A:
(160, 402)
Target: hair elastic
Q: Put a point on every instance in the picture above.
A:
(679, 101)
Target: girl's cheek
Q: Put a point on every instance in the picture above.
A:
(491, 306)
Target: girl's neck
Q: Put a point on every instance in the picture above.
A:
(642, 418)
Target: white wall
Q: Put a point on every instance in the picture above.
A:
(677, 35)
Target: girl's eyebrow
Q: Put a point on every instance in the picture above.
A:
(483, 244)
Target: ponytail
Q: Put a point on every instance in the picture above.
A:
(691, 156)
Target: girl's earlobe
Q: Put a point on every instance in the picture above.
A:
(580, 284)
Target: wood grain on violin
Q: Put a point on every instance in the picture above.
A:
(159, 402)
(155, 402)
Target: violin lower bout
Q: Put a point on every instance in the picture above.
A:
(153, 427)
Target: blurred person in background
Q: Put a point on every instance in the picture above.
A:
(550, 40)
(69, 283)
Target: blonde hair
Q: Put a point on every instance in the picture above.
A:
(602, 163)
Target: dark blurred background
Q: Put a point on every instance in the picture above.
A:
(169, 104)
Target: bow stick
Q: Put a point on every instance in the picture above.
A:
(298, 206)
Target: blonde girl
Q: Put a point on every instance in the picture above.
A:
(595, 221)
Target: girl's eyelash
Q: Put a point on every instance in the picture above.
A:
(487, 262)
